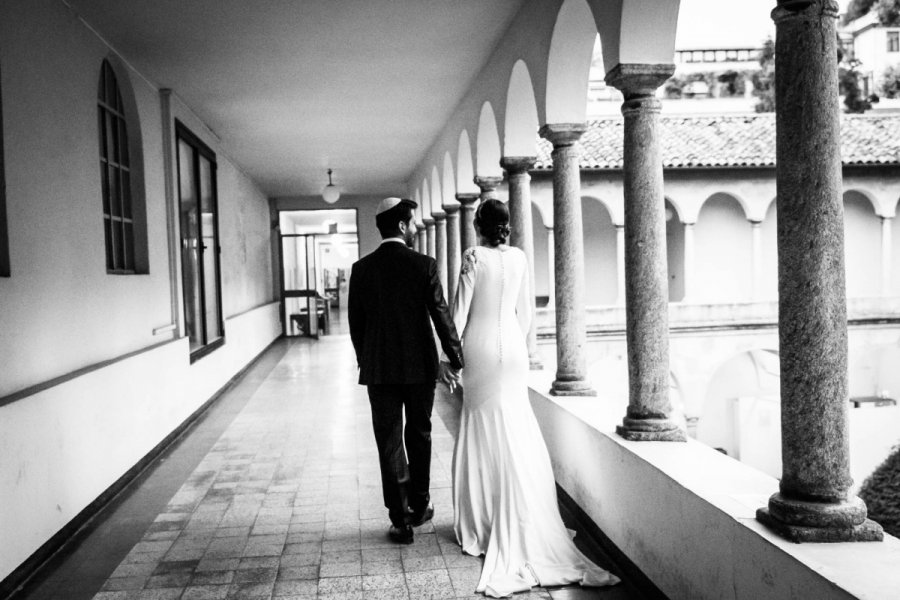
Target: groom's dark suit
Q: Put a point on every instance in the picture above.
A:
(395, 296)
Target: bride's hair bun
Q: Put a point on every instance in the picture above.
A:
(492, 221)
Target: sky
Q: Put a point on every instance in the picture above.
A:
(726, 23)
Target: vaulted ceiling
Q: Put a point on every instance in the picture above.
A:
(293, 87)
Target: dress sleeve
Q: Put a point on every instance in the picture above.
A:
(464, 290)
(525, 303)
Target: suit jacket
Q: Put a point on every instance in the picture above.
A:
(394, 293)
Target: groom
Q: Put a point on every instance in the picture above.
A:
(393, 292)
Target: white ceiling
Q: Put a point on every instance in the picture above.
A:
(292, 87)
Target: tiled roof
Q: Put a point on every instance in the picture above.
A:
(731, 141)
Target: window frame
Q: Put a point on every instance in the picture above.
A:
(893, 41)
(200, 149)
(5, 270)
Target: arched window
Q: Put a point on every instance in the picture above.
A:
(115, 175)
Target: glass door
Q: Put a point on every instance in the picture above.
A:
(302, 314)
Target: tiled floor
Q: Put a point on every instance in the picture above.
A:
(276, 494)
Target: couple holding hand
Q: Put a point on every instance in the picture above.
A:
(504, 494)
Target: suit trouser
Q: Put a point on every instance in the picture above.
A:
(404, 484)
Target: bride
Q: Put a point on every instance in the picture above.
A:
(504, 495)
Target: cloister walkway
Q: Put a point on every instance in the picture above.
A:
(275, 493)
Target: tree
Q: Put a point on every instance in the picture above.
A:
(890, 82)
(857, 9)
(848, 86)
(764, 80)
(889, 12)
(881, 492)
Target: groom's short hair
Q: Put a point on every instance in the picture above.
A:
(389, 214)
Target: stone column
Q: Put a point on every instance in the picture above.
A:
(620, 264)
(522, 234)
(756, 252)
(468, 202)
(551, 275)
(646, 271)
(690, 262)
(887, 249)
(813, 503)
(430, 242)
(453, 253)
(488, 185)
(440, 248)
(421, 241)
(571, 332)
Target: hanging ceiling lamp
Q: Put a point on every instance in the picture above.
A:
(330, 193)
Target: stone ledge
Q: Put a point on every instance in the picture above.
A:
(686, 514)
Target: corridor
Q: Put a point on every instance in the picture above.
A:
(275, 493)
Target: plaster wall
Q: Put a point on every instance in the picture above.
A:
(86, 388)
(65, 445)
(700, 539)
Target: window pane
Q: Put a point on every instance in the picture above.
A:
(117, 248)
(127, 245)
(210, 250)
(107, 229)
(111, 91)
(111, 142)
(126, 195)
(104, 184)
(101, 130)
(123, 142)
(115, 208)
(190, 245)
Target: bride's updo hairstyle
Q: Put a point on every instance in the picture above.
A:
(492, 221)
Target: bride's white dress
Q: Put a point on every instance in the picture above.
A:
(504, 493)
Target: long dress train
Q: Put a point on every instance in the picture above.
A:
(504, 493)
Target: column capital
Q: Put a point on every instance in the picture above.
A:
(637, 80)
(517, 164)
(428, 221)
(562, 134)
(488, 183)
(438, 217)
(451, 209)
(468, 198)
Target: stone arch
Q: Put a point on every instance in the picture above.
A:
(870, 197)
(862, 245)
(723, 252)
(425, 204)
(600, 261)
(742, 202)
(741, 411)
(487, 145)
(569, 63)
(521, 117)
(436, 198)
(465, 166)
(448, 182)
(674, 251)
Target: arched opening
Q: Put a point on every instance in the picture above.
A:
(465, 166)
(543, 287)
(487, 151)
(520, 130)
(769, 235)
(674, 253)
(448, 183)
(436, 196)
(569, 63)
(723, 252)
(741, 410)
(600, 265)
(862, 246)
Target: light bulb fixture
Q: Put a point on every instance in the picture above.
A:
(330, 193)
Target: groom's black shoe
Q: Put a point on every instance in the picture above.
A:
(420, 518)
(402, 534)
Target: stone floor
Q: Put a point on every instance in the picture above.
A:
(276, 494)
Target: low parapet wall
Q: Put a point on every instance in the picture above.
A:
(684, 514)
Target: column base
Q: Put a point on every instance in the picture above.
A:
(572, 388)
(650, 430)
(867, 531)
